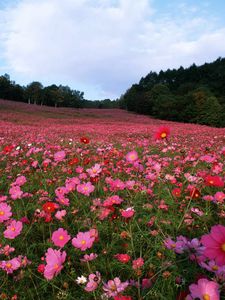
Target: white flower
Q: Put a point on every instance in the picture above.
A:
(18, 148)
(81, 280)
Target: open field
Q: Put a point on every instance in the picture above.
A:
(105, 204)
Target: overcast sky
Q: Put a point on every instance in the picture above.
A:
(101, 47)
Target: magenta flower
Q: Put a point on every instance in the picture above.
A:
(83, 240)
(114, 287)
(5, 212)
(15, 192)
(60, 237)
(214, 243)
(205, 290)
(13, 229)
(55, 260)
(85, 188)
(10, 265)
(128, 213)
(132, 156)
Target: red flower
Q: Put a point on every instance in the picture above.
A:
(7, 149)
(214, 181)
(49, 207)
(182, 295)
(162, 133)
(84, 140)
(73, 161)
(176, 192)
(194, 193)
(41, 268)
(120, 297)
(123, 258)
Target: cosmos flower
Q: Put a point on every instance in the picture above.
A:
(205, 290)
(214, 243)
(55, 260)
(83, 240)
(60, 237)
(13, 229)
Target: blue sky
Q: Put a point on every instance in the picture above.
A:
(101, 47)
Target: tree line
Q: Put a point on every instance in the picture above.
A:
(193, 95)
(53, 95)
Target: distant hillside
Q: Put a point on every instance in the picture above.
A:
(195, 94)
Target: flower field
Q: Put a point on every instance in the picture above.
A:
(105, 204)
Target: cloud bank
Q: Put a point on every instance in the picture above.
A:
(103, 46)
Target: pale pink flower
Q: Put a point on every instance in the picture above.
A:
(15, 192)
(85, 188)
(83, 240)
(55, 260)
(60, 237)
(10, 265)
(205, 290)
(59, 156)
(89, 257)
(13, 229)
(5, 212)
(95, 170)
(114, 287)
(219, 197)
(93, 282)
(60, 214)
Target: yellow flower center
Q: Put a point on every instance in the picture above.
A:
(215, 268)
(13, 228)
(56, 266)
(206, 297)
(2, 213)
(223, 247)
(83, 242)
(61, 237)
(8, 265)
(113, 287)
(211, 181)
(163, 135)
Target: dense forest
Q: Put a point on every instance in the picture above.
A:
(53, 95)
(195, 94)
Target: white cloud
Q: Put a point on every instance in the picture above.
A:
(101, 45)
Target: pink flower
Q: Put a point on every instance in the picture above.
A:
(59, 156)
(55, 260)
(205, 290)
(21, 180)
(60, 237)
(215, 244)
(5, 212)
(90, 257)
(85, 188)
(10, 265)
(219, 197)
(138, 263)
(93, 282)
(132, 156)
(83, 240)
(15, 192)
(13, 230)
(114, 287)
(60, 214)
(113, 200)
(128, 213)
(94, 171)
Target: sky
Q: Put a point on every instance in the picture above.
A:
(102, 47)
